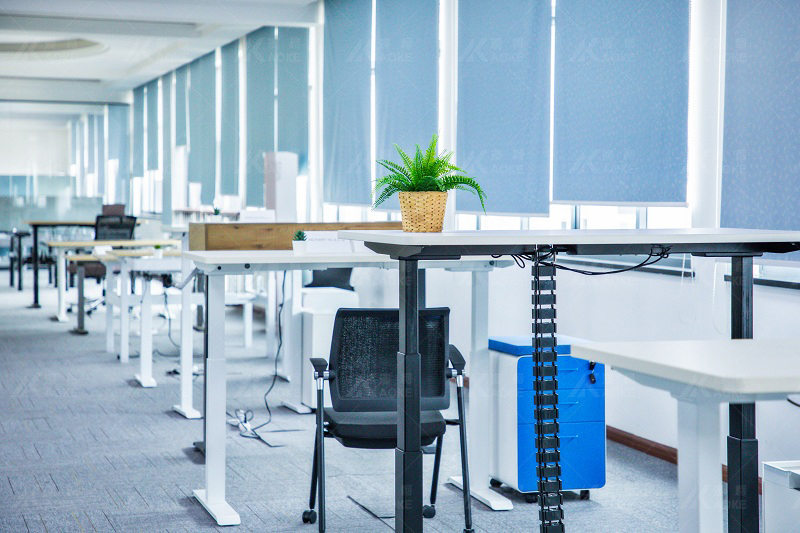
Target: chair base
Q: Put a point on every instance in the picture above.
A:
(77, 331)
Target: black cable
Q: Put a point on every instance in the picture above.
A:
(277, 357)
(169, 320)
(520, 259)
(793, 402)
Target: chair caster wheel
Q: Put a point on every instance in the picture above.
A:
(428, 511)
(495, 483)
(584, 495)
(309, 516)
(531, 497)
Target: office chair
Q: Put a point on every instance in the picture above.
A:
(363, 378)
(106, 228)
(338, 278)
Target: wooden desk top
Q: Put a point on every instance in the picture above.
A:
(60, 222)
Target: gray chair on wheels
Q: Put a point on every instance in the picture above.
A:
(363, 382)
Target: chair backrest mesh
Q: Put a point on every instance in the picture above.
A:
(113, 227)
(364, 359)
(113, 209)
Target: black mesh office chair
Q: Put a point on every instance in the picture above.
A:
(363, 380)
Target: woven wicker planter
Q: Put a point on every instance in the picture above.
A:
(423, 212)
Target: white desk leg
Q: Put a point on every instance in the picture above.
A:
(61, 276)
(124, 303)
(247, 312)
(145, 375)
(291, 356)
(187, 349)
(213, 496)
(479, 416)
(111, 290)
(699, 468)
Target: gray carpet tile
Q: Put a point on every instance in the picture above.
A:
(84, 448)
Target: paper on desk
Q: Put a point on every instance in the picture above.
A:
(326, 242)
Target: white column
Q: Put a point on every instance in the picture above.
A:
(111, 290)
(145, 375)
(479, 416)
(699, 467)
(124, 302)
(186, 408)
(61, 277)
(706, 103)
(213, 496)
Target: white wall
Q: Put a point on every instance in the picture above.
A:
(28, 148)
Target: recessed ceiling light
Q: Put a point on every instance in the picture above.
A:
(61, 49)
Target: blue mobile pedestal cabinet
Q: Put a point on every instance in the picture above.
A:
(581, 418)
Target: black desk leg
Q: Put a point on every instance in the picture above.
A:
(81, 330)
(200, 445)
(742, 444)
(35, 268)
(20, 262)
(408, 455)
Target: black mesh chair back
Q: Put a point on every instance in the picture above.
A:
(114, 228)
(338, 278)
(113, 209)
(364, 359)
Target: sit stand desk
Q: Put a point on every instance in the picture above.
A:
(215, 265)
(35, 225)
(741, 245)
(701, 375)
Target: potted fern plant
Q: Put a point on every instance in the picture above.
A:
(421, 184)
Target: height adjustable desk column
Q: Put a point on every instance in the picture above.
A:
(740, 244)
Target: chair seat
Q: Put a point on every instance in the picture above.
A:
(378, 429)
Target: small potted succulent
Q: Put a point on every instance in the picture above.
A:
(216, 215)
(158, 251)
(299, 242)
(421, 184)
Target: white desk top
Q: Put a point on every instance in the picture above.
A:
(286, 259)
(746, 366)
(571, 237)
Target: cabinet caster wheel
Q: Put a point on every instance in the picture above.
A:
(531, 497)
(428, 511)
(309, 516)
(584, 495)
(495, 483)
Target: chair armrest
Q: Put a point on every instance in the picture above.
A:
(320, 365)
(457, 360)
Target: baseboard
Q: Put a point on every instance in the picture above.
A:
(654, 449)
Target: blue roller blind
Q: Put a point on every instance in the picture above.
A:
(346, 101)
(621, 101)
(504, 104)
(229, 144)
(166, 148)
(292, 59)
(180, 105)
(406, 77)
(137, 162)
(91, 145)
(100, 151)
(152, 125)
(202, 126)
(260, 109)
(760, 184)
(119, 147)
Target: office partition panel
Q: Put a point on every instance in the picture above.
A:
(621, 101)
(406, 78)
(229, 142)
(260, 112)
(503, 104)
(292, 67)
(760, 185)
(346, 101)
(152, 125)
(202, 126)
(137, 156)
(180, 105)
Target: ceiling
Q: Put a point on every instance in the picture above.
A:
(93, 52)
